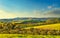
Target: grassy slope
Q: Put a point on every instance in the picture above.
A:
(27, 36)
(50, 26)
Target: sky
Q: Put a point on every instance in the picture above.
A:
(29, 8)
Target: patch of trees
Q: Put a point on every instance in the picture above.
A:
(37, 31)
(31, 31)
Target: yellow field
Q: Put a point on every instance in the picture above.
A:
(27, 36)
(50, 26)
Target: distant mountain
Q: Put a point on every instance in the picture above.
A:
(18, 18)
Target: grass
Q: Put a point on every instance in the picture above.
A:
(27, 36)
(50, 26)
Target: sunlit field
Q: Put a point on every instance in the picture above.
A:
(27, 36)
(49, 26)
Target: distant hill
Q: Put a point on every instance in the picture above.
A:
(18, 18)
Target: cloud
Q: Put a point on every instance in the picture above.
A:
(38, 13)
(5, 14)
(49, 13)
(53, 13)
(10, 14)
(49, 7)
(35, 13)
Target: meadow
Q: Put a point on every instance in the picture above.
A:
(49, 26)
(27, 36)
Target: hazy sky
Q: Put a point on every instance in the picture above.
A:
(29, 8)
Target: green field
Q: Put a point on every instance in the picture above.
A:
(27, 36)
(50, 26)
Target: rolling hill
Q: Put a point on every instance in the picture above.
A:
(50, 26)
